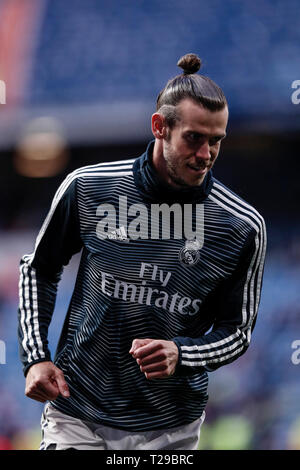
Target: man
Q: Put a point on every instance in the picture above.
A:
(168, 286)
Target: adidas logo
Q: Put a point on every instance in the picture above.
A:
(119, 234)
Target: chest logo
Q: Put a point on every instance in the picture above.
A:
(118, 234)
(189, 254)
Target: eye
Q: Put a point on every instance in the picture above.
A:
(214, 140)
(193, 137)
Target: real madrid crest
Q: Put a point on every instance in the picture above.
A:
(189, 254)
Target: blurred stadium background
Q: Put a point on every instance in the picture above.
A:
(81, 81)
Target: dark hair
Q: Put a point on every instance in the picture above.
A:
(189, 84)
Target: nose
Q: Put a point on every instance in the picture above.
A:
(203, 151)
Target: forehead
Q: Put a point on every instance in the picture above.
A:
(194, 116)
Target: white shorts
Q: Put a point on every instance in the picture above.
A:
(62, 432)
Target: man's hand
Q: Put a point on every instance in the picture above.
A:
(157, 358)
(45, 381)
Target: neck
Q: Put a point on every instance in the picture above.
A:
(160, 165)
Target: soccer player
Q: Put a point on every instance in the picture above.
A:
(167, 290)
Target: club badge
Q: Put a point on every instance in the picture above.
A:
(189, 254)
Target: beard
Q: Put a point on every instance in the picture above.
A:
(173, 169)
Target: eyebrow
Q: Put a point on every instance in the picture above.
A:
(220, 136)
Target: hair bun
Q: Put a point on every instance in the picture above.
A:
(190, 63)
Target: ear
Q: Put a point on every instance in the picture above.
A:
(159, 127)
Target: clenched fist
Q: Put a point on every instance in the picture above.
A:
(45, 381)
(157, 358)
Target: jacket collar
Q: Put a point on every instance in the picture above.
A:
(153, 189)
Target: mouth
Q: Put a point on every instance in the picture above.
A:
(198, 169)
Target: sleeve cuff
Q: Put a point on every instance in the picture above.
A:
(27, 366)
(185, 371)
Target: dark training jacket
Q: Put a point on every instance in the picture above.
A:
(142, 275)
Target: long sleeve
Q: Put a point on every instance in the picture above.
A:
(233, 305)
(40, 272)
